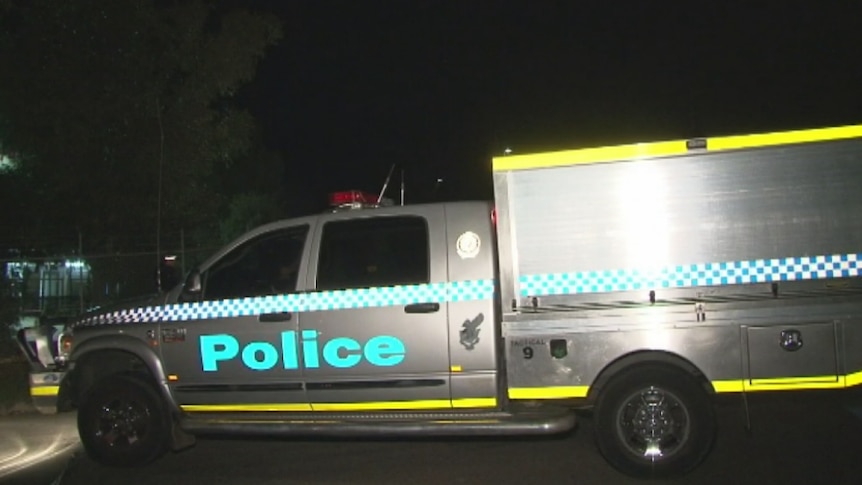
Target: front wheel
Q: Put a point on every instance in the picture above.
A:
(122, 422)
(654, 421)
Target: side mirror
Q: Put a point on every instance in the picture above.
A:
(192, 285)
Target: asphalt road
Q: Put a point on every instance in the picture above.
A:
(35, 449)
(795, 439)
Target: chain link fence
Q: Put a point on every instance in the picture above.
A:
(38, 289)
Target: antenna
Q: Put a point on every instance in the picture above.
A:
(385, 185)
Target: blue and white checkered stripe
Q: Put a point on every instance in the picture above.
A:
(702, 274)
(324, 300)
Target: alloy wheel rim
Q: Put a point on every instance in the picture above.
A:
(653, 423)
(122, 423)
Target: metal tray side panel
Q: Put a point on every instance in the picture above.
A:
(649, 215)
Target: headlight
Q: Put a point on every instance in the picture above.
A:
(64, 346)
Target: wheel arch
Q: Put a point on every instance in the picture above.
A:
(642, 357)
(100, 357)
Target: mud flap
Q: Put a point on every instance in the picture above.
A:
(180, 440)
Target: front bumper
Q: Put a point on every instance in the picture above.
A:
(45, 390)
(47, 371)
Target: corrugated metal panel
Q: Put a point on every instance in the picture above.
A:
(792, 201)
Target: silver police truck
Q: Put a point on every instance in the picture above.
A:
(639, 280)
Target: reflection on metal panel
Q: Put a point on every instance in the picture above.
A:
(725, 208)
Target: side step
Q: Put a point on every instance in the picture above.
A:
(543, 420)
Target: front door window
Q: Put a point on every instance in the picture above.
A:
(267, 265)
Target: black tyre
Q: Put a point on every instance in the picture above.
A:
(122, 422)
(654, 421)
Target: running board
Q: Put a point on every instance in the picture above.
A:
(543, 420)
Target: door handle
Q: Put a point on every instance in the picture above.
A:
(275, 317)
(422, 308)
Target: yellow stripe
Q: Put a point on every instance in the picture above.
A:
(346, 406)
(795, 380)
(783, 138)
(475, 402)
(667, 148)
(728, 386)
(789, 383)
(589, 155)
(552, 392)
(45, 391)
(221, 408)
(549, 392)
(721, 386)
(385, 405)
(779, 384)
(472, 421)
(853, 379)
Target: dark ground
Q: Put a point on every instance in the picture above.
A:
(795, 439)
(14, 387)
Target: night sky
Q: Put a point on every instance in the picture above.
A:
(441, 87)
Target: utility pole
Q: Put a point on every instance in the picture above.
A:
(159, 199)
(182, 252)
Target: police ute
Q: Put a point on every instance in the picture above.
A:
(637, 281)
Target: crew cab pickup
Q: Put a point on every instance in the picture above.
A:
(639, 280)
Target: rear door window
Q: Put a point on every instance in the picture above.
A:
(381, 251)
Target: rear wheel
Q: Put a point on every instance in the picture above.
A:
(122, 422)
(654, 421)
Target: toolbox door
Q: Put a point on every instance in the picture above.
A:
(782, 356)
